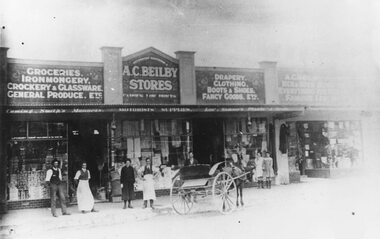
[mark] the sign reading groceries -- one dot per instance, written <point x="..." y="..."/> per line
<point x="150" y="79"/>
<point x="230" y="87"/>
<point x="58" y="84"/>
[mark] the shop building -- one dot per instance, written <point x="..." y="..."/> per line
<point x="150" y="104"/>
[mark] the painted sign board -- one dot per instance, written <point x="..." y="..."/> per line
<point x="150" y="79"/>
<point x="229" y="86"/>
<point x="31" y="84"/>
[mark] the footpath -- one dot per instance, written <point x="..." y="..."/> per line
<point x="27" y="222"/>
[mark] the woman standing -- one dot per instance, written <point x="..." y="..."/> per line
<point x="148" y="184"/>
<point x="267" y="169"/>
<point x="127" y="180"/>
<point x="259" y="170"/>
<point x="84" y="194"/>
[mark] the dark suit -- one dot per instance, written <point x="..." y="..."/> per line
<point x="127" y="178"/>
<point x="188" y="163"/>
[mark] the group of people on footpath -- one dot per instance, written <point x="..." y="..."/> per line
<point x="85" y="198"/>
<point x="84" y="195"/>
<point x="264" y="169"/>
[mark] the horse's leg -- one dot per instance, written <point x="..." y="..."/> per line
<point x="237" y="193"/>
<point x="241" y="193"/>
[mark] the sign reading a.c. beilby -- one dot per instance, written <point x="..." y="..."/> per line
<point x="150" y="79"/>
<point x="54" y="84"/>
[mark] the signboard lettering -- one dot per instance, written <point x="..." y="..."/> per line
<point x="38" y="84"/>
<point x="305" y="88"/>
<point x="150" y="79"/>
<point x="230" y="87"/>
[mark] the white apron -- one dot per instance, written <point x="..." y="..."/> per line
<point x="84" y="196"/>
<point x="148" y="188"/>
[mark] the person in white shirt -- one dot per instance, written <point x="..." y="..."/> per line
<point x="84" y="194"/>
<point x="54" y="180"/>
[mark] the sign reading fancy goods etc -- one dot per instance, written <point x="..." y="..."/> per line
<point x="230" y="87"/>
<point x="58" y="84"/>
<point x="150" y="79"/>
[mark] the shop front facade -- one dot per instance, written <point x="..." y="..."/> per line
<point x="151" y="105"/>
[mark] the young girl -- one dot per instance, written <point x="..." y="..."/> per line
<point x="259" y="170"/>
<point x="267" y="169"/>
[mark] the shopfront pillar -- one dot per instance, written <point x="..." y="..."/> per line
<point x="3" y="157"/>
<point x="271" y="81"/>
<point x="282" y="159"/>
<point x="113" y="84"/>
<point x="187" y="77"/>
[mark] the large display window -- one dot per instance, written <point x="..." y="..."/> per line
<point x="244" y="137"/>
<point x="165" y="141"/>
<point x="32" y="147"/>
<point x="324" y="144"/>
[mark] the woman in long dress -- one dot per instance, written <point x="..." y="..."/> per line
<point x="268" y="172"/>
<point x="148" y="184"/>
<point x="259" y="170"/>
<point x="84" y="195"/>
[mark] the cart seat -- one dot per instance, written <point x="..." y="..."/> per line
<point x="195" y="171"/>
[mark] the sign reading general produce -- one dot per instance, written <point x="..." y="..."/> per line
<point x="150" y="79"/>
<point x="230" y="87"/>
<point x="30" y="84"/>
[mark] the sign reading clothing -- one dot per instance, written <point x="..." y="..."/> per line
<point x="230" y="87"/>
<point x="150" y="79"/>
<point x="60" y="84"/>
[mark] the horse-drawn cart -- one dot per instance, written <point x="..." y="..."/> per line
<point x="196" y="182"/>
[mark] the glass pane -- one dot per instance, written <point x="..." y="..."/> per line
<point x="18" y="130"/>
<point x="57" y="130"/>
<point x="37" y="129"/>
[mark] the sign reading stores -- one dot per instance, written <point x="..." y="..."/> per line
<point x="230" y="87"/>
<point x="46" y="84"/>
<point x="150" y="79"/>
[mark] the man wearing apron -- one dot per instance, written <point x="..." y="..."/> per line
<point x="148" y="184"/>
<point x="54" y="178"/>
<point x="84" y="194"/>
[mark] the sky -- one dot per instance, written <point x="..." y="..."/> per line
<point x="341" y="36"/>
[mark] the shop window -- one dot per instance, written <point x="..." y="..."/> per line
<point x="243" y="138"/>
<point x="165" y="141"/>
<point x="29" y="161"/>
<point x="333" y="144"/>
<point x="31" y="151"/>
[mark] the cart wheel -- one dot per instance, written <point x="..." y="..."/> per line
<point x="224" y="192"/>
<point x="181" y="199"/>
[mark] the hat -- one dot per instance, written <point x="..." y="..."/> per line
<point x="55" y="160"/>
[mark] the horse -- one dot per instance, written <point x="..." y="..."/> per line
<point x="239" y="181"/>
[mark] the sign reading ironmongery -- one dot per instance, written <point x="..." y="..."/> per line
<point x="150" y="79"/>
<point x="30" y="84"/>
<point x="230" y="87"/>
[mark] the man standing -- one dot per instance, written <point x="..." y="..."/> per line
<point x="54" y="178"/>
<point x="127" y="180"/>
<point x="191" y="160"/>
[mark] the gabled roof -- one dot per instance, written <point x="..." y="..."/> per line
<point x="153" y="50"/>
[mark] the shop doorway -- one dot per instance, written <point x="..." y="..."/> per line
<point x="87" y="143"/>
<point x="208" y="140"/>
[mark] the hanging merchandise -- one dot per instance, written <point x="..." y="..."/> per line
<point x="130" y="147"/>
<point x="137" y="147"/>
<point x="284" y="132"/>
